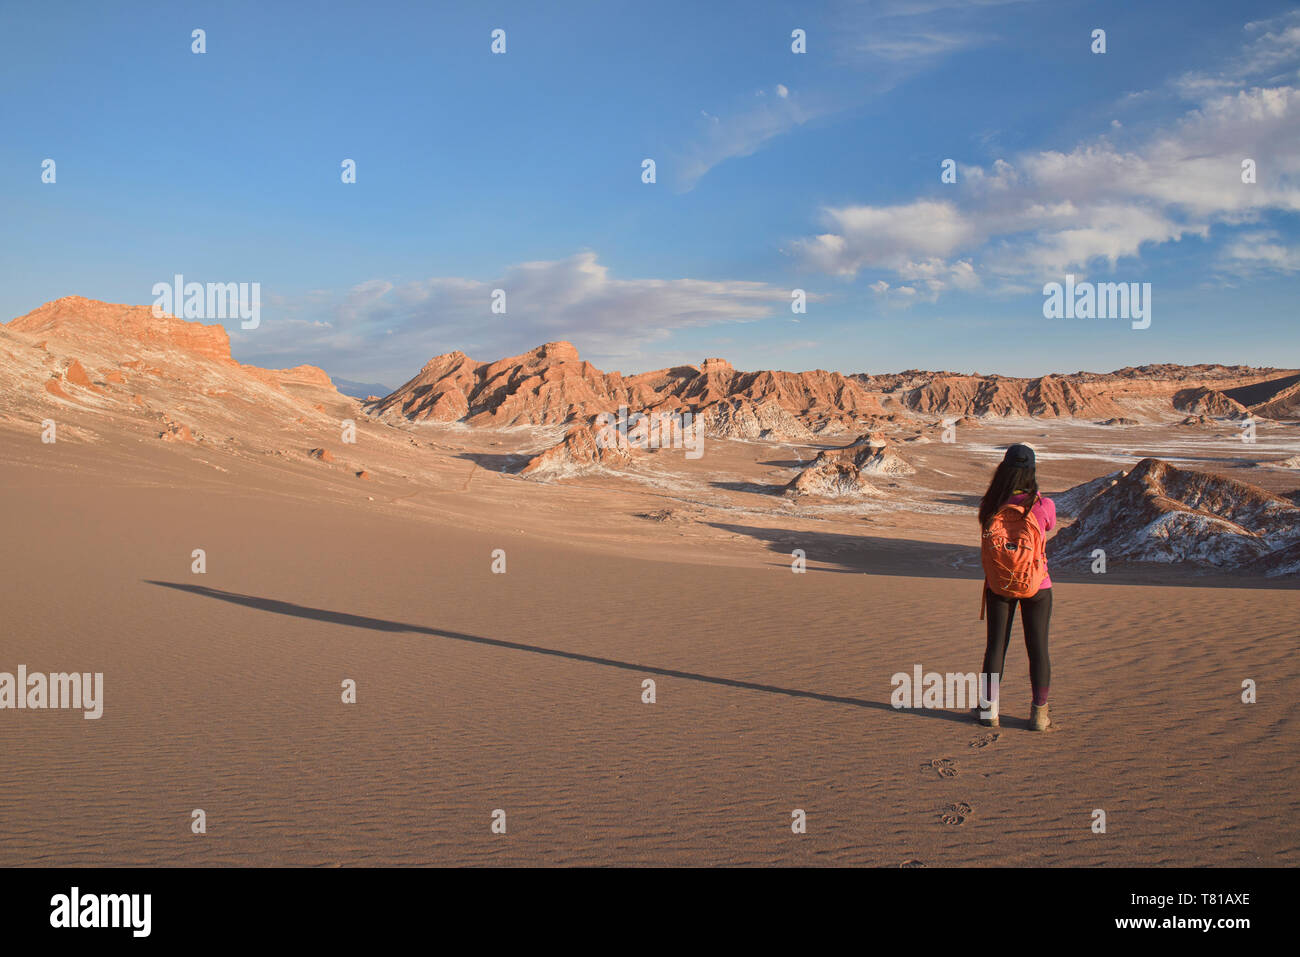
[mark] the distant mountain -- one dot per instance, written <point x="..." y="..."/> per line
<point x="360" y="390"/>
<point x="552" y="385"/>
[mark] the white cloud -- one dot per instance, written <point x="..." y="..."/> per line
<point x="890" y="237"/>
<point x="1051" y="210"/>
<point x="574" y="299"/>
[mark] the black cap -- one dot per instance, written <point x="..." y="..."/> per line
<point x="1021" y="456"/>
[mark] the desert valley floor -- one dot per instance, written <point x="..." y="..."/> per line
<point x="522" y="691"/>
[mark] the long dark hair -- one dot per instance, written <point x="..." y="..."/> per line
<point x="1007" y="481"/>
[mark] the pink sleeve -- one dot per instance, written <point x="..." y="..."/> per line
<point x="1049" y="514"/>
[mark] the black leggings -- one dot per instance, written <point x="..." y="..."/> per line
<point x="1035" y="613"/>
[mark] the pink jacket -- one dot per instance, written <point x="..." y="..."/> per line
<point x="1045" y="511"/>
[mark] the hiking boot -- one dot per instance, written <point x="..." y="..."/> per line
<point x="992" y="720"/>
<point x="1038" y="718"/>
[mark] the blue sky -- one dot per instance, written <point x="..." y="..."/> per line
<point x="775" y="171"/>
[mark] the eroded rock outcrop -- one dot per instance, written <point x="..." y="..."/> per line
<point x="585" y="448"/>
<point x="743" y="419"/>
<point x="1159" y="513"/>
<point x="846" y="471"/>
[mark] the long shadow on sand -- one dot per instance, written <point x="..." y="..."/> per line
<point x="496" y="461"/>
<point x="849" y="554"/>
<point x="870" y="554"/>
<point x="278" y="607"/>
<point x="756" y="488"/>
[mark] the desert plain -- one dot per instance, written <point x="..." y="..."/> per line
<point x="500" y="622"/>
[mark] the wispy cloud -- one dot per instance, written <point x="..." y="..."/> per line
<point x="894" y="40"/>
<point x="917" y="32"/>
<point x="1268" y="58"/>
<point x="744" y="131"/>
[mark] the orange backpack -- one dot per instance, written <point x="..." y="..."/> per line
<point x="1013" y="553"/>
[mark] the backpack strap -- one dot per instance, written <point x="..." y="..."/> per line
<point x="984" y="597"/>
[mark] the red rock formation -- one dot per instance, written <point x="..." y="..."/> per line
<point x="552" y="384"/>
<point x="548" y="385"/>
<point x="1210" y="402"/>
<point x="119" y="331"/>
<point x="1082" y="394"/>
<point x="1050" y="396"/>
<point x="109" y="324"/>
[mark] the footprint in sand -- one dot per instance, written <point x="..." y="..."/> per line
<point x="944" y="767"/>
<point x="984" y="740"/>
<point x="955" y="814"/>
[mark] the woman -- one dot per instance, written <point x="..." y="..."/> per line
<point x="1016" y="482"/>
